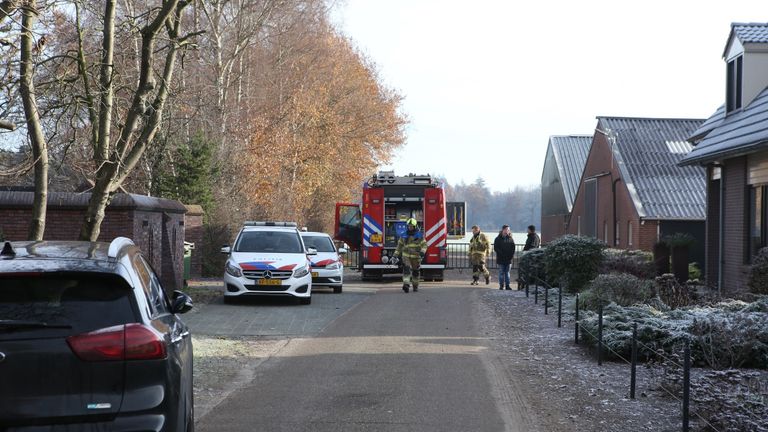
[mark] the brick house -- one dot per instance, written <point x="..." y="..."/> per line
<point x="563" y="165"/>
<point x="632" y="192"/>
<point x="156" y="225"/>
<point x="732" y="145"/>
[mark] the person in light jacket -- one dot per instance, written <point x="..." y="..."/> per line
<point x="504" y="246"/>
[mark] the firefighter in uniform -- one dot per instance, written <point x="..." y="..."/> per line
<point x="411" y="248"/>
<point x="479" y="249"/>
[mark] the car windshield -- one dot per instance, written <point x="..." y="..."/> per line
<point x="269" y="241"/>
<point x="57" y="303"/>
<point x="321" y="243"/>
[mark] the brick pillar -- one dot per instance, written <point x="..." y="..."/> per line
<point x="193" y="232"/>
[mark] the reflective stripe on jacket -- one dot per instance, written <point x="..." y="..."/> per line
<point x="479" y="244"/>
<point x="411" y="246"/>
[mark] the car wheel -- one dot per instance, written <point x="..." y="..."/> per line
<point x="337" y="290"/>
<point x="305" y="300"/>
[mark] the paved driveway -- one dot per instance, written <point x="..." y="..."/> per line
<point x="273" y="316"/>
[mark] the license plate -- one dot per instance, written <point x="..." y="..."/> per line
<point x="315" y="274"/>
<point x="269" y="282"/>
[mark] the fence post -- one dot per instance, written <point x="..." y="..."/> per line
<point x="686" y="383"/>
<point x="546" y="301"/>
<point x="559" y="307"/>
<point x="526" y="289"/>
<point x="577" y="319"/>
<point x="536" y="294"/>
<point x="600" y="337"/>
<point x="633" y="378"/>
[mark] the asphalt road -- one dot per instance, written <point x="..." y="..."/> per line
<point x="392" y="362"/>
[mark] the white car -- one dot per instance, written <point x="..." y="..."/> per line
<point x="268" y="259"/>
<point x="327" y="266"/>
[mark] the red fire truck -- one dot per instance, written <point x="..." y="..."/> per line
<point x="374" y="226"/>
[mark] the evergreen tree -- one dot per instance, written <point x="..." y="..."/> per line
<point x="188" y="175"/>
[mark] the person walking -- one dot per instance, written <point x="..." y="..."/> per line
<point x="479" y="249"/>
<point x="533" y="241"/>
<point x="504" y="246"/>
<point x="411" y="248"/>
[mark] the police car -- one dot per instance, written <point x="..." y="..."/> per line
<point x="327" y="266"/>
<point x="268" y="259"/>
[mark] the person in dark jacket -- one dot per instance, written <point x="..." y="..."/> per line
<point x="504" y="246"/>
<point x="533" y="241"/>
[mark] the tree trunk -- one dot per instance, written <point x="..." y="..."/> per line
<point x="97" y="206"/>
<point x="32" y="117"/>
<point x="127" y="151"/>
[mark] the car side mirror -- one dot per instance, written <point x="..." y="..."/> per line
<point x="182" y="303"/>
<point x="226" y="249"/>
<point x="311" y="251"/>
<point x="342" y="251"/>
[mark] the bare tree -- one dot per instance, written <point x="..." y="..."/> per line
<point x="7" y="7"/>
<point x="140" y="123"/>
<point x="32" y="117"/>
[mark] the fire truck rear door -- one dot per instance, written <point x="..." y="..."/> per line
<point x="348" y="225"/>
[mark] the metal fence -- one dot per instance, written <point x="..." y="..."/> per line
<point x="457" y="254"/>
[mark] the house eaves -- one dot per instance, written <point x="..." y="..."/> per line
<point x="737" y="134"/>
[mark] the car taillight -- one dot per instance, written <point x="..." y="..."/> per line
<point x="443" y="254"/>
<point x="124" y="342"/>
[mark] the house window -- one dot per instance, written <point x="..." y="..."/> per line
<point x="757" y="220"/>
<point x="733" y="91"/>
<point x="617" y="240"/>
<point x="629" y="233"/>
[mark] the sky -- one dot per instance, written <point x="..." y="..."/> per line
<point x="487" y="82"/>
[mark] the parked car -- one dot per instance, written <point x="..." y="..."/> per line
<point x="268" y="259"/>
<point x="90" y="341"/>
<point x="327" y="266"/>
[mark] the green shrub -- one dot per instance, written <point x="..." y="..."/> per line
<point x="531" y="267"/>
<point x="573" y="261"/>
<point x="622" y="289"/>
<point x="719" y="338"/>
<point x="635" y="262"/>
<point x="694" y="272"/>
<point x="758" y="273"/>
<point x="673" y="293"/>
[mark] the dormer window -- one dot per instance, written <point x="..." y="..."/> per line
<point x="733" y="92"/>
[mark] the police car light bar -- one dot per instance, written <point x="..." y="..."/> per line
<point x="269" y="223"/>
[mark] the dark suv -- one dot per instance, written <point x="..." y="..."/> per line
<point x="89" y="341"/>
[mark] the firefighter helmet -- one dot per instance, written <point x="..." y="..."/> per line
<point x="412" y="222"/>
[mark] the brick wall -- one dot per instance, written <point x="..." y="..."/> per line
<point x="147" y="233"/>
<point x="144" y="226"/>
<point x="552" y="227"/>
<point x="63" y="224"/>
<point x="648" y="235"/>
<point x="735" y="270"/>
